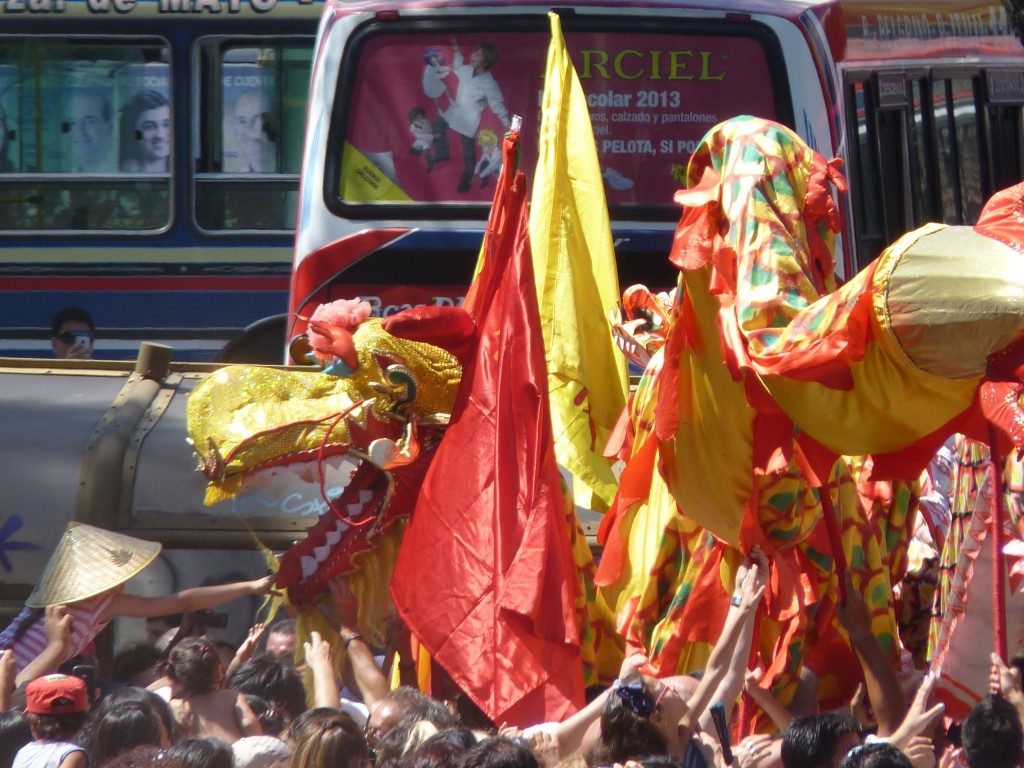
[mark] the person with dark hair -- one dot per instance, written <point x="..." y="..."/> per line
<point x="645" y="716"/>
<point x="633" y="716"/>
<point x="403" y="738"/>
<point x="878" y="755"/>
<point x="143" y="756"/>
<point x="72" y="334"/>
<point x="56" y="707"/>
<point x="405" y="703"/>
<point x="283" y="640"/>
<point x="202" y="706"/>
<point x="498" y="752"/>
<point x="137" y="664"/>
<point x="992" y="734"/>
<point x="442" y="749"/>
<point x="330" y="741"/>
<point x="819" y="741"/>
<point x="158" y="626"/>
<point x="273" y="680"/>
<point x="146" y="133"/>
<point x="270" y="719"/>
<point x="124" y="726"/>
<point x="308" y="722"/>
<point x="199" y="753"/>
<point x="127" y="697"/>
<point x="15" y="733"/>
<point x="433" y="753"/>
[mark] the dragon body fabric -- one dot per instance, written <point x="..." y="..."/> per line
<point x="388" y="411"/>
<point x="771" y="376"/>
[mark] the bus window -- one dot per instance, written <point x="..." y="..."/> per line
<point x="87" y="134"/>
<point x="251" y="122"/>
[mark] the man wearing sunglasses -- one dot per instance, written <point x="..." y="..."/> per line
<point x="73" y="333"/>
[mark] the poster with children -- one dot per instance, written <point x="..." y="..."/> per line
<point x="427" y="111"/>
<point x="145" y="125"/>
<point x="250" y="119"/>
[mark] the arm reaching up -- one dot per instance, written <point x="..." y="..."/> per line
<point x="361" y="673"/>
<point x="739" y="621"/>
<point x="320" y="659"/>
<point x="732" y="682"/>
<point x="883" y="687"/>
<point x="58" y="627"/>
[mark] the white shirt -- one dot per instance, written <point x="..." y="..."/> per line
<point x="476" y="92"/>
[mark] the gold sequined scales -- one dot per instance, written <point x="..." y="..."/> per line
<point x="244" y="417"/>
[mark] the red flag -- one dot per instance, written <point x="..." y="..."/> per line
<point x="485" y="577"/>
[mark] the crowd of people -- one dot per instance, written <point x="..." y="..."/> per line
<point x="188" y="701"/>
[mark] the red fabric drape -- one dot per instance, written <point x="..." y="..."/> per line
<point x="485" y="577"/>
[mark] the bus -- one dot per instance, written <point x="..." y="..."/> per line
<point x="922" y="100"/>
<point x="149" y="165"/>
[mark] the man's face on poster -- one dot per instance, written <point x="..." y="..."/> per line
<point x="88" y="122"/>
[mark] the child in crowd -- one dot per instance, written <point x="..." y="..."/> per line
<point x="56" y="707"/>
<point x="203" y="708"/>
<point x="81" y="591"/>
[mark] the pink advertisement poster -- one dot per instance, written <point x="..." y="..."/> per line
<point x="426" y="112"/>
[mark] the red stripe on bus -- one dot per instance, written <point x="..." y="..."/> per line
<point x="325" y="263"/>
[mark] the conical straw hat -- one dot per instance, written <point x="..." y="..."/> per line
<point x="88" y="561"/>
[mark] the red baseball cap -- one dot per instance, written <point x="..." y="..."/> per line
<point x="56" y="695"/>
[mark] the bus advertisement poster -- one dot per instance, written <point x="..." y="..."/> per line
<point x="84" y="94"/>
<point x="250" y="119"/>
<point x="145" y="127"/>
<point x="10" y="112"/>
<point x="427" y="111"/>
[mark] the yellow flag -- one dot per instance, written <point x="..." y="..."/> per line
<point x="577" y="285"/>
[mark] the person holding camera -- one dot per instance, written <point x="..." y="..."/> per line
<point x="81" y="591"/>
<point x="72" y="334"/>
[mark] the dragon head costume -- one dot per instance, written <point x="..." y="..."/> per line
<point x="383" y="400"/>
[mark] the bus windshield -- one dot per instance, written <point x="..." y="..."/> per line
<point x="425" y="109"/>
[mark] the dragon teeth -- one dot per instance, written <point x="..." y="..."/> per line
<point x="309" y="566"/>
<point x="333" y="537"/>
<point x="322" y="552"/>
